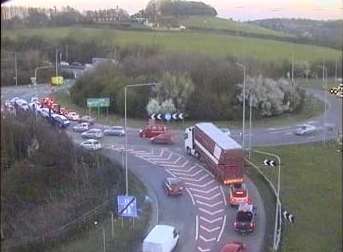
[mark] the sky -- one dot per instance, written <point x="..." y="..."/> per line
<point x="242" y="10"/>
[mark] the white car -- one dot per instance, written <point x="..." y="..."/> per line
<point x="34" y="99"/>
<point x="82" y="127"/>
<point x="93" y="133"/>
<point x="44" y="112"/>
<point x="91" y="144"/>
<point x="114" y="131"/>
<point x="73" y="116"/>
<point x="22" y="104"/>
<point x="305" y="129"/>
<point x="13" y="100"/>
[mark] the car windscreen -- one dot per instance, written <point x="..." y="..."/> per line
<point x="244" y="216"/>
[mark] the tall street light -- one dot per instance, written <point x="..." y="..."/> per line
<point x="243" y="120"/>
<point x="324" y="85"/>
<point x="125" y="126"/>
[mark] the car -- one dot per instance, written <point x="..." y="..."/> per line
<point x="164" y="138"/>
<point x="234" y="246"/>
<point x="64" y="111"/>
<point x="93" y="133"/>
<point x="44" y="112"/>
<point x="226" y="131"/>
<point x="73" y="116"/>
<point x="82" y="127"/>
<point x="64" y="63"/>
<point x="238" y="194"/>
<point x="22" y="104"/>
<point x="245" y="218"/>
<point x="13" y="100"/>
<point x="60" y="120"/>
<point x="305" y="129"/>
<point x="114" y="131"/>
<point x="87" y="119"/>
<point x="34" y="99"/>
<point x="173" y="186"/>
<point x="91" y="144"/>
<point x="34" y="105"/>
<point x="76" y="64"/>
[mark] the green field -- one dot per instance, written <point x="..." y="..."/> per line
<point x="218" y="45"/>
<point x="311" y="189"/>
<point x="216" y="23"/>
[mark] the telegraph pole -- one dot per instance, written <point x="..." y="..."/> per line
<point x="16" y="68"/>
<point x="56" y="63"/>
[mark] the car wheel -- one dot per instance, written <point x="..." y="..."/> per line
<point x="188" y="151"/>
<point x="197" y="155"/>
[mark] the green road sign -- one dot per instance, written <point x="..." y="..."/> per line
<point x="98" y="102"/>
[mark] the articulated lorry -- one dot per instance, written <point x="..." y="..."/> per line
<point x="222" y="155"/>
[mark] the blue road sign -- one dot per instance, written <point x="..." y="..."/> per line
<point x="167" y="117"/>
<point x="127" y="206"/>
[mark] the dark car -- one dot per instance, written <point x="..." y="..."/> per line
<point x="245" y="218"/>
<point x="234" y="246"/>
<point x="173" y="186"/>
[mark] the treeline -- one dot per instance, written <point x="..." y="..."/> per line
<point x="46" y="182"/>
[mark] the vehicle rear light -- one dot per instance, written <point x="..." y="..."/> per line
<point x="235" y="224"/>
<point x="239" y="193"/>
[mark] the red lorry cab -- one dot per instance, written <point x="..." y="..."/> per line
<point x="222" y="155"/>
<point x="152" y="129"/>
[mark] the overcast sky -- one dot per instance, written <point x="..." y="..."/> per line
<point x="236" y="9"/>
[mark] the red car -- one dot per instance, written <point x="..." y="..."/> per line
<point x="173" y="186"/>
<point x="164" y="138"/>
<point x="238" y="194"/>
<point x="234" y="246"/>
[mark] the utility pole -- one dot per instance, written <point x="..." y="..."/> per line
<point x="336" y="71"/>
<point x="292" y="69"/>
<point x="250" y="117"/>
<point x="243" y="120"/>
<point x="16" y="68"/>
<point x="325" y="94"/>
<point x="56" y="63"/>
<point x="67" y="55"/>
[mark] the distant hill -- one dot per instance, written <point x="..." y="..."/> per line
<point x="327" y="33"/>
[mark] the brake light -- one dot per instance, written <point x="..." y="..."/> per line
<point x="239" y="193"/>
<point x="235" y="224"/>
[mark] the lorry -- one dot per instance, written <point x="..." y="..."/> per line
<point x="222" y="155"/>
<point x="152" y="129"/>
<point x="162" y="238"/>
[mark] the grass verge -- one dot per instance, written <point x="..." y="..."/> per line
<point x="311" y="189"/>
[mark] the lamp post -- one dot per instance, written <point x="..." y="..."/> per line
<point x="243" y="120"/>
<point x="103" y="235"/>
<point x="125" y="126"/>
<point x="324" y="85"/>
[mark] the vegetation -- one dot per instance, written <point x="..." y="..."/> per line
<point x="311" y="190"/>
<point x="43" y="176"/>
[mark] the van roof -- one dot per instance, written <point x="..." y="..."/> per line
<point x="160" y="234"/>
<point x="222" y="140"/>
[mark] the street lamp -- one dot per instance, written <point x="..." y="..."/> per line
<point x="325" y="83"/>
<point x="103" y="235"/>
<point x="243" y="120"/>
<point x="278" y="202"/>
<point x="125" y="126"/>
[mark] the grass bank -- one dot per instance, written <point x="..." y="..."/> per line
<point x="311" y="189"/>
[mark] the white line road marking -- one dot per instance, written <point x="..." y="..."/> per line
<point x="221" y="231"/>
<point x="221" y="189"/>
<point x="202" y="191"/>
<point x="201" y="186"/>
<point x="178" y="166"/>
<point x="209" y="230"/>
<point x="207" y="240"/>
<point x="187" y="175"/>
<point x="196" y="227"/>
<point x="209" y="205"/>
<point x="206" y="198"/>
<point x="157" y="158"/>
<point x="190" y="195"/>
<point x="172" y="174"/>
<point x="196" y="180"/>
<point x="211" y="221"/>
<point x="188" y="170"/>
<point x="203" y="250"/>
<point x="211" y="213"/>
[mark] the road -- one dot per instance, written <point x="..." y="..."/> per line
<point x="201" y="214"/>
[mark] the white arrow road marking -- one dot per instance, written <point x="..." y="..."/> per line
<point x="211" y="213"/>
<point x="209" y="205"/>
<point x="201" y="186"/>
<point x="203" y="250"/>
<point x="209" y="230"/>
<point x="222" y="191"/>
<point x="196" y="227"/>
<point x="206" y="198"/>
<point x="167" y="160"/>
<point x="207" y="240"/>
<point x="190" y="195"/>
<point x="196" y="180"/>
<point x="221" y="231"/>
<point x="187" y="175"/>
<point x="211" y="221"/>
<point x="188" y="170"/>
<point x="202" y="191"/>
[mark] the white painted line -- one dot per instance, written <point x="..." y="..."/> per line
<point x="196" y="227"/>
<point x="211" y="221"/>
<point x="178" y="166"/>
<point x="196" y="180"/>
<point x="188" y="170"/>
<point x="221" y="188"/>
<point x="210" y="230"/>
<point x="190" y="195"/>
<point x="209" y="205"/>
<point x="187" y="175"/>
<point x="161" y="160"/>
<point x="203" y="250"/>
<point x="221" y="231"/>
<point x="172" y="174"/>
<point x="207" y="240"/>
<point x="208" y="172"/>
<point x="203" y="191"/>
<point x="201" y="186"/>
<point x="211" y="213"/>
<point x="206" y="198"/>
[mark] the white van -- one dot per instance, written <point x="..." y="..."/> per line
<point x="162" y="238"/>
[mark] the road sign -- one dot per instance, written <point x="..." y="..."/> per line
<point x="269" y="162"/>
<point x="57" y="80"/>
<point x="127" y="206"/>
<point x="33" y="80"/>
<point x="288" y="216"/>
<point x="98" y="102"/>
<point x="167" y="116"/>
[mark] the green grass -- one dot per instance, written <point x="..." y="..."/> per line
<point x="311" y="189"/>
<point x="216" y="23"/>
<point x="218" y="45"/>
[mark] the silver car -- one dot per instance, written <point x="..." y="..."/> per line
<point x="82" y="127"/>
<point x="114" y="131"/>
<point x="93" y="133"/>
<point x="305" y="129"/>
<point x="91" y="144"/>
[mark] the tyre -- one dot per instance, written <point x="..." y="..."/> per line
<point x="188" y="151"/>
<point x="197" y="155"/>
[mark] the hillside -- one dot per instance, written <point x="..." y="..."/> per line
<point x="327" y="33"/>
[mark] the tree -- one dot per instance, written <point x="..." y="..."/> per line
<point x="168" y="106"/>
<point x="153" y="106"/>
